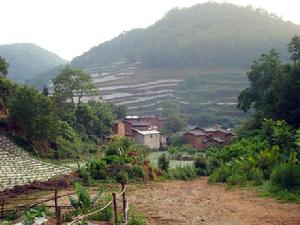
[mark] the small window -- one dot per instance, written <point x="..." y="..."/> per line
<point x="151" y="136"/>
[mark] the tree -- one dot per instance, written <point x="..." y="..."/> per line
<point x="294" y="49"/>
<point x="262" y="73"/>
<point x="174" y="123"/>
<point x="3" y="67"/>
<point x="8" y="90"/>
<point x="35" y="114"/>
<point x="71" y="85"/>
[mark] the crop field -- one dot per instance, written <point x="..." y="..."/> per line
<point x="144" y="90"/>
<point x="173" y="163"/>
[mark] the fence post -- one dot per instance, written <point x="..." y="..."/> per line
<point x="58" y="216"/>
<point x="55" y="202"/>
<point x="124" y="203"/>
<point x="115" y="207"/>
<point x="2" y="208"/>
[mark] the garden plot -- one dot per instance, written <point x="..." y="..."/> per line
<point x="17" y="167"/>
<point x="173" y="163"/>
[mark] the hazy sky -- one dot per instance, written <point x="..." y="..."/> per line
<point x="71" y="27"/>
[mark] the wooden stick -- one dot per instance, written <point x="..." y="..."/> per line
<point x="124" y="203"/>
<point x="115" y="207"/>
<point x="58" y="216"/>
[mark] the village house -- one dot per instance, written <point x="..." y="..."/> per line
<point x="201" y="138"/>
<point x="149" y="138"/>
<point x="144" y="130"/>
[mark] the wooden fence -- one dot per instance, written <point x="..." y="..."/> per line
<point x="58" y="208"/>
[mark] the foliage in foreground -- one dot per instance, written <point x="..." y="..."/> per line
<point x="271" y="155"/>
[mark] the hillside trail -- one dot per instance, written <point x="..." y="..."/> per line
<point x="198" y="203"/>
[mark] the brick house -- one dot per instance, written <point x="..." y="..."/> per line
<point x="119" y="128"/>
<point x="201" y="138"/>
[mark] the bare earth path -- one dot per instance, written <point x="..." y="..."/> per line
<point x="198" y="203"/>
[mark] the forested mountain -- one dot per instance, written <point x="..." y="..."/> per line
<point x="205" y="35"/>
<point x="26" y="60"/>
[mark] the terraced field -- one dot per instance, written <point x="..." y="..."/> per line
<point x="143" y="90"/>
<point x="17" y="167"/>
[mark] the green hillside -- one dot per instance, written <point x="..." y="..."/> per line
<point x="26" y="60"/>
<point x="205" y="35"/>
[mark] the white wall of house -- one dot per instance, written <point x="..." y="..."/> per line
<point x="151" y="140"/>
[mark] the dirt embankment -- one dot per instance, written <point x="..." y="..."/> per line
<point x="198" y="203"/>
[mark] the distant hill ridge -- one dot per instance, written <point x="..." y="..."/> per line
<point x="26" y="60"/>
<point x="204" y="35"/>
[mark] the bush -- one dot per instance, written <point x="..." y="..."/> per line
<point x="137" y="172"/>
<point x="85" y="175"/>
<point x="136" y="218"/>
<point x="286" y="176"/>
<point x="181" y="173"/>
<point x="105" y="215"/>
<point x="236" y="179"/>
<point x="213" y="164"/>
<point x="201" y="166"/>
<point x="12" y="215"/>
<point x="98" y="169"/>
<point x="221" y="174"/>
<point x="163" y="162"/>
<point x="122" y="177"/>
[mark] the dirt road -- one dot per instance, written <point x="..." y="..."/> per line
<point x="198" y="203"/>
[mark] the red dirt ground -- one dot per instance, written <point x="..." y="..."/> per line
<point x="198" y="203"/>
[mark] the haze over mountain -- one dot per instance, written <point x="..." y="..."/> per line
<point x="205" y="35"/>
<point x="26" y="60"/>
<point x="196" y="57"/>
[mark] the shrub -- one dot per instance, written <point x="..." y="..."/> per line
<point x="286" y="176"/>
<point x="163" y="162"/>
<point x="136" y="218"/>
<point x="137" y="172"/>
<point x="181" y="173"/>
<point x="236" y="179"/>
<point x="112" y="159"/>
<point x="12" y="215"/>
<point x="98" y="169"/>
<point x="85" y="175"/>
<point x="213" y="164"/>
<point x="201" y="166"/>
<point x="221" y="174"/>
<point x="105" y="215"/>
<point x="122" y="177"/>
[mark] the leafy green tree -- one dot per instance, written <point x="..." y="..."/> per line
<point x="262" y="73"/>
<point x="71" y="85"/>
<point x="294" y="49"/>
<point x="8" y="90"/>
<point x="3" y="67"/>
<point x="35" y="114"/>
<point x="174" y="123"/>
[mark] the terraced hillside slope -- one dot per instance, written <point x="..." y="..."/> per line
<point x="196" y="56"/>
<point x="17" y="167"/>
<point x="198" y="92"/>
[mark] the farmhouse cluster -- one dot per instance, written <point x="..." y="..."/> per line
<point x="145" y="130"/>
<point x="201" y="138"/>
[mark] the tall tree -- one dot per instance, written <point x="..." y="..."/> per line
<point x="71" y="85"/>
<point x="3" y="67"/>
<point x="36" y="114"/>
<point x="294" y="49"/>
<point x="263" y="71"/>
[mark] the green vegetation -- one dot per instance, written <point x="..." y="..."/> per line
<point x="267" y="152"/>
<point x="3" y="66"/>
<point x="122" y="161"/>
<point x="55" y="127"/>
<point x="204" y="35"/>
<point x="26" y="60"/>
<point x="274" y="88"/>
